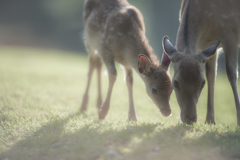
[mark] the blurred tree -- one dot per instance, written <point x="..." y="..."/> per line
<point x="26" y="14"/>
<point x="68" y="21"/>
<point x="56" y="22"/>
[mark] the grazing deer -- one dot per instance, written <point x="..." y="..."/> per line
<point x="202" y="24"/>
<point x="115" y="31"/>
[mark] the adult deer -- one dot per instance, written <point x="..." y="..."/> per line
<point x="114" y="31"/>
<point x="202" y="24"/>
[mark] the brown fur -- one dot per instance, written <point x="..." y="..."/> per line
<point x="190" y="71"/>
<point x="203" y="23"/>
<point x="114" y="30"/>
<point x="118" y="20"/>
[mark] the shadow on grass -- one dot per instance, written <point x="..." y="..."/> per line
<point x="94" y="140"/>
<point x="186" y="142"/>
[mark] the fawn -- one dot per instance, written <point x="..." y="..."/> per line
<point x="114" y="31"/>
<point x="203" y="25"/>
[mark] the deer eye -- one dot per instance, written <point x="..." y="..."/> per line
<point x="154" y="91"/>
<point x="176" y="85"/>
<point x="203" y="84"/>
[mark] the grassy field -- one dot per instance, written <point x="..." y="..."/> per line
<point x="40" y="96"/>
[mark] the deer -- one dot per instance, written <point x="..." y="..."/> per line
<point x="204" y="27"/>
<point x="114" y="31"/>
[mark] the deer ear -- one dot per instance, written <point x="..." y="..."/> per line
<point x="209" y="51"/>
<point x="169" y="47"/>
<point x="165" y="60"/>
<point x="144" y="65"/>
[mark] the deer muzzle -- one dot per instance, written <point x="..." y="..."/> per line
<point x="188" y="118"/>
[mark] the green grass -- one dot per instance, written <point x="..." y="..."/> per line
<point x="40" y="96"/>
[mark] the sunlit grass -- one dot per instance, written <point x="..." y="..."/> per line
<point x="40" y="96"/>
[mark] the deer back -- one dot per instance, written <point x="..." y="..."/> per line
<point x="205" y="22"/>
<point x="118" y="27"/>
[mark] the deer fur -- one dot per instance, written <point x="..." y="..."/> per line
<point x="203" y="25"/>
<point x="114" y="31"/>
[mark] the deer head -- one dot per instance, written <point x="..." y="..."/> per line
<point x="157" y="81"/>
<point x="188" y="79"/>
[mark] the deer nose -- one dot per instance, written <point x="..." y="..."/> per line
<point x="191" y="119"/>
<point x="166" y="111"/>
<point x="188" y="119"/>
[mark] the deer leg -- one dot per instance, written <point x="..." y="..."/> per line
<point x="85" y="97"/>
<point x="112" y="74"/>
<point x="129" y="81"/>
<point x="231" y="57"/>
<point x="99" y="67"/>
<point x="211" y="76"/>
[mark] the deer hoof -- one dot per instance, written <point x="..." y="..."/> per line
<point x="238" y="118"/>
<point x="101" y="117"/>
<point x="99" y="103"/>
<point x="210" y="121"/>
<point x="102" y="114"/>
<point x="84" y="104"/>
<point x="132" y="118"/>
<point x="83" y="108"/>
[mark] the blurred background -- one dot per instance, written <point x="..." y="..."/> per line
<point x="58" y="23"/>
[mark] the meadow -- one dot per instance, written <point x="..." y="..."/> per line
<point x="40" y="95"/>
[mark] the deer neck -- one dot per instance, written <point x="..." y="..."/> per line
<point x="188" y="34"/>
<point x="142" y="47"/>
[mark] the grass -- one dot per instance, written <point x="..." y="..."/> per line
<point x="40" y="96"/>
